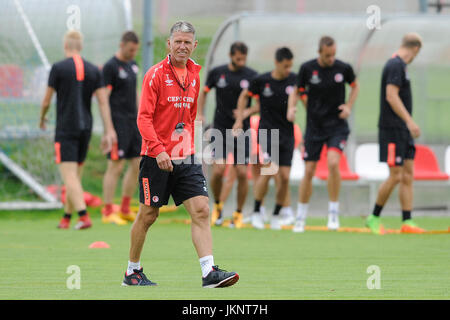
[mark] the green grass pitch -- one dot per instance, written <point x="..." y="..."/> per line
<point x="271" y="264"/>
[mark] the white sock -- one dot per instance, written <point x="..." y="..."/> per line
<point x="302" y="210"/>
<point x="333" y="207"/>
<point x="287" y="211"/>
<point x="262" y="210"/>
<point x="206" y="263"/>
<point x="132" y="266"/>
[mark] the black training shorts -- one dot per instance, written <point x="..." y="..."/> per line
<point x="284" y="147"/>
<point x="396" y="145"/>
<point x="128" y="141"/>
<point x="238" y="146"/>
<point x="72" y="147"/>
<point x="184" y="182"/>
<point x="313" y="147"/>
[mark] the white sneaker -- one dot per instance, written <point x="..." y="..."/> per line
<point x="299" y="226"/>
<point x="257" y="220"/>
<point x="219" y="221"/>
<point x="287" y="218"/>
<point x="247" y="219"/>
<point x="275" y="223"/>
<point x="333" y="221"/>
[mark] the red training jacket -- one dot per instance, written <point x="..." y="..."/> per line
<point x="161" y="109"/>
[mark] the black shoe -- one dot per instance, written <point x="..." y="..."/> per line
<point x="218" y="278"/>
<point x="137" y="278"/>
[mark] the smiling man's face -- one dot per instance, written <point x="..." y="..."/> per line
<point x="181" y="45"/>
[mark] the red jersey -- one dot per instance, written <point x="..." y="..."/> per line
<point x="166" y="102"/>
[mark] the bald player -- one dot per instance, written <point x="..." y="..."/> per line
<point x="397" y="131"/>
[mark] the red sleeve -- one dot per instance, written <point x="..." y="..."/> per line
<point x="149" y="100"/>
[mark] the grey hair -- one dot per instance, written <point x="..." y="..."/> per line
<point x="182" y="26"/>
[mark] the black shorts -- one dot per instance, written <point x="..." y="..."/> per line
<point x="184" y="182"/>
<point x="285" y="149"/>
<point x="128" y="142"/>
<point x="72" y="147"/>
<point x="396" y="145"/>
<point x="239" y="147"/>
<point x="313" y="147"/>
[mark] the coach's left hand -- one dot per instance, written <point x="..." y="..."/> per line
<point x="345" y="111"/>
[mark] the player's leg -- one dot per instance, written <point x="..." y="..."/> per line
<point x="74" y="192"/>
<point x="241" y="158"/>
<point x="256" y="172"/>
<point x="128" y="188"/>
<point x="68" y="209"/>
<point x="198" y="208"/>
<point x="406" y="198"/>
<point x="84" y="221"/>
<point x="132" y="154"/>
<point x="218" y="170"/>
<point x="334" y="186"/>
<point x="113" y="171"/>
<point x="392" y="151"/>
<point x="228" y="184"/>
<point x="282" y="187"/>
<point x="286" y="212"/>
<point x="134" y="276"/>
<point x="384" y="192"/>
<point x="261" y="186"/>
<point x="212" y="276"/>
<point x="311" y="156"/>
<point x="190" y="189"/>
<point x="71" y="180"/>
<point x="70" y="156"/>
<point x="304" y="194"/>
<point x="154" y="192"/>
<point x="65" y="149"/>
<point x="146" y="216"/>
<point x="242" y="190"/>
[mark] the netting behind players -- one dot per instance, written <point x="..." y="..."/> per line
<point x="31" y="34"/>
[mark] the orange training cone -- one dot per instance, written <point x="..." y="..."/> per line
<point x="98" y="245"/>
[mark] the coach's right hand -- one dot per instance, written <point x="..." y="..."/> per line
<point x="414" y="129"/>
<point x="164" y="162"/>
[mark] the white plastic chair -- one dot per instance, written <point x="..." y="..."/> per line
<point x="367" y="163"/>
<point x="447" y="160"/>
<point x="297" y="167"/>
